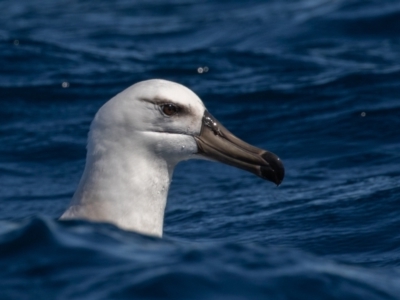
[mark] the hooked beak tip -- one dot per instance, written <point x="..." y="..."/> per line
<point x="275" y="170"/>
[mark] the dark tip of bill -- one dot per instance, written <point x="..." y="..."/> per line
<point x="276" y="171"/>
<point x="268" y="174"/>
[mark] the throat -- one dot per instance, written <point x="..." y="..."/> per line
<point x="128" y="191"/>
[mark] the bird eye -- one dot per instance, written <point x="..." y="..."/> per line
<point x="169" y="109"/>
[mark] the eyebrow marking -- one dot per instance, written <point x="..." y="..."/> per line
<point x="158" y="101"/>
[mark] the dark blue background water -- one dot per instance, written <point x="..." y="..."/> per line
<point x="315" y="81"/>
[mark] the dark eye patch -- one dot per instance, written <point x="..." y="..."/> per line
<point x="170" y="109"/>
<point x="166" y="106"/>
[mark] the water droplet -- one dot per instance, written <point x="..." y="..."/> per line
<point x="65" y="84"/>
<point x="200" y="70"/>
<point x="16" y="42"/>
<point x="363" y="114"/>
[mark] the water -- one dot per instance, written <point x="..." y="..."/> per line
<point x="316" y="82"/>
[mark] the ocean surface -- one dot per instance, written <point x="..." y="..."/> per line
<point x="315" y="81"/>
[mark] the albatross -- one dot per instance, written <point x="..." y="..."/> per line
<point x="135" y="141"/>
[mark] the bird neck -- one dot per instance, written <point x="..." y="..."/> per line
<point x="124" y="188"/>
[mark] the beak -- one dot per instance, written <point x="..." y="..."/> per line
<point x="217" y="143"/>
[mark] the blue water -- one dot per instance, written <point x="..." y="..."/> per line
<point x="315" y="81"/>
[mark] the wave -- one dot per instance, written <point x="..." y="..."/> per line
<point x="78" y="260"/>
